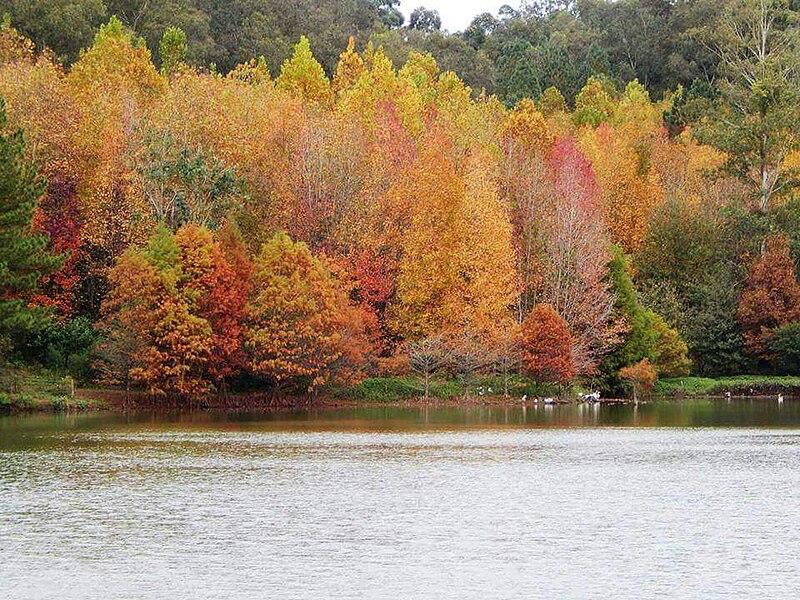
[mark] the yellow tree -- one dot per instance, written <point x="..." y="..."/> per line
<point x="630" y="190"/>
<point x="114" y="82"/>
<point x="348" y="70"/>
<point x="488" y="265"/>
<point x="303" y="77"/>
<point x="376" y="85"/>
<point x="302" y="331"/>
<point x="429" y="285"/>
<point x="526" y="142"/>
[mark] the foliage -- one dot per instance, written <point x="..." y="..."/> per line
<point x="641" y="376"/>
<point x="670" y="352"/>
<point x="301" y="329"/>
<point x="24" y="257"/>
<point x="784" y="346"/>
<point x="640" y="337"/>
<point x="770" y="298"/>
<point x="593" y="105"/>
<point x="574" y="256"/>
<point x="546" y="346"/>
<point x="417" y="203"/>
<point x="303" y="77"/>
<point x="755" y="117"/>
<point x="172" y="49"/>
<point x="156" y="338"/>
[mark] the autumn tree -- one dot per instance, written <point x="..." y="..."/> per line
<point x="113" y="83"/>
<point x="301" y="329"/>
<point x="348" y="70"/>
<point x="771" y="296"/>
<point x="670" y="354"/>
<point x="429" y="287"/>
<point x="151" y="317"/>
<point x="217" y="273"/>
<point x="546" y="346"/>
<point x="574" y="256"/>
<point x="523" y="183"/>
<point x="593" y="104"/>
<point x="303" y="77"/>
<point x="487" y="256"/>
<point x="641" y="376"/>
<point x="630" y="190"/>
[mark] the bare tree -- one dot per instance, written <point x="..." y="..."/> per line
<point x="506" y="358"/>
<point x="470" y="355"/>
<point x="426" y="357"/>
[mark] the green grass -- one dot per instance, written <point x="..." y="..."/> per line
<point x="740" y="384"/>
<point x="400" y="389"/>
<point x="39" y="389"/>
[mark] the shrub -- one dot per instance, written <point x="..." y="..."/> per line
<point x="784" y="345"/>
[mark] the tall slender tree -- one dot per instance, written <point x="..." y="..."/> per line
<point x="24" y="258"/>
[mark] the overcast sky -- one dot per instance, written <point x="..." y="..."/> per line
<point x="456" y="14"/>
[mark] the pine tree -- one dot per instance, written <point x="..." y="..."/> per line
<point x="24" y="258"/>
<point x="640" y="337"/>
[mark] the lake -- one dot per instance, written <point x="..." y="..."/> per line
<point x="698" y="499"/>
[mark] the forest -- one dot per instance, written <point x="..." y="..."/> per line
<point x="186" y="210"/>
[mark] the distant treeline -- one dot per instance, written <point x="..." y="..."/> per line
<point x="514" y="54"/>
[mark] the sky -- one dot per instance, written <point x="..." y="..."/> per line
<point x="456" y="14"/>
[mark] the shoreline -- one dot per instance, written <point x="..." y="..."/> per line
<point x="110" y="400"/>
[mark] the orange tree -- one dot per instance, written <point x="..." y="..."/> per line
<point x="546" y="346"/>
<point x="302" y="330"/>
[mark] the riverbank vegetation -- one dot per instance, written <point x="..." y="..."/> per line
<point x="173" y="228"/>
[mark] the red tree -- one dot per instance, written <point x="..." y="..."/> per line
<point x="771" y="297"/>
<point x="59" y="217"/>
<point x="546" y="346"/>
<point x="219" y="271"/>
<point x="574" y="248"/>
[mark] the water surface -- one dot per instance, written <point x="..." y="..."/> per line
<point x="692" y="500"/>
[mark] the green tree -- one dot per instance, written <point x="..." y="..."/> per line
<point x="64" y="26"/>
<point x="640" y="337"/>
<point x="425" y="19"/>
<point x="593" y="105"/>
<point x="755" y="119"/>
<point x="388" y="13"/>
<point x="24" y="257"/>
<point x="172" y="49"/>
<point x="784" y="345"/>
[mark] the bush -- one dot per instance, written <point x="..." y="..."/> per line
<point x="784" y="345"/>
<point x="62" y="346"/>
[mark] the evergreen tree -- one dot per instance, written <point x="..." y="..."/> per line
<point x="640" y="337"/>
<point x="24" y="258"/>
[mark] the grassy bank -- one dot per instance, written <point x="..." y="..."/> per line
<point x="739" y="385"/>
<point x="23" y="389"/>
<point x="402" y="389"/>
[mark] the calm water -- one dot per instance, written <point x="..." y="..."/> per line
<point x="693" y="500"/>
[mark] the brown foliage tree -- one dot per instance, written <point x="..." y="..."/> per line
<point x="546" y="346"/>
<point x="771" y="296"/>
